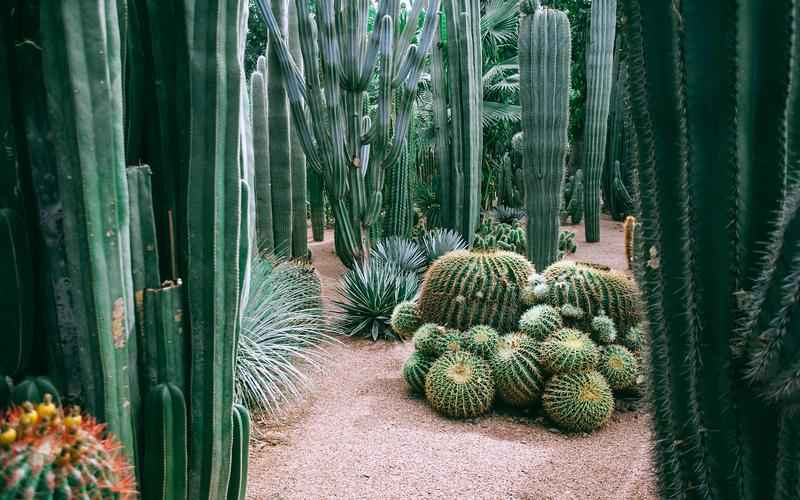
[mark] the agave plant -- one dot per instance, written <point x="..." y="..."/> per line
<point x="438" y="242"/>
<point x="283" y="337"/>
<point x="507" y="215"/>
<point x="404" y="253"/>
<point x="370" y="292"/>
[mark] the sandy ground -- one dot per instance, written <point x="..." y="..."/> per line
<point x="359" y="434"/>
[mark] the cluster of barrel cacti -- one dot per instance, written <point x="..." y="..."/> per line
<point x="559" y="352"/>
<point x="141" y="270"/>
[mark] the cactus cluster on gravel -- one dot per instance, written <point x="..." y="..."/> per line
<point x="568" y="352"/>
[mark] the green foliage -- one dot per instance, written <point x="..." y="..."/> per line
<point x="284" y="336"/>
<point x="403" y="253"/>
<point x="439" y="242"/>
<point x="508" y="215"/>
<point x="619" y="366"/>
<point x="415" y="370"/>
<point x="567" y="351"/>
<point x="370" y="291"/>
<point x="464" y="289"/>
<point x="481" y="340"/>
<point x="579" y="401"/>
<point x="540" y="321"/>
<point x="516" y="371"/>
<point x="460" y="385"/>
<point x="405" y="319"/>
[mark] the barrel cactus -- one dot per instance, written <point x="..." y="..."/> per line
<point x="568" y="350"/>
<point x="452" y="341"/>
<point x="481" y="340"/>
<point x="634" y="338"/>
<point x="426" y="338"/>
<point x="603" y="329"/>
<point x="580" y="402"/>
<point x="405" y="319"/>
<point x="464" y="289"/>
<point x="540" y="321"/>
<point x="516" y="371"/>
<point x="460" y="385"/>
<point x="619" y="366"/>
<point x="415" y="369"/>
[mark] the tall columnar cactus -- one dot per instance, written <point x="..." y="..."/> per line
<point x="340" y="59"/>
<point x="81" y="57"/>
<point x="263" y="187"/>
<point x="214" y="219"/>
<point x="545" y="48"/>
<point x="617" y="175"/>
<point x="165" y="474"/>
<point x="464" y="71"/>
<point x="298" y="158"/>
<point x="237" y="490"/>
<point x="16" y="303"/>
<point x="316" y="201"/>
<point x="599" y="79"/>
<point x="714" y="89"/>
<point x="397" y="221"/>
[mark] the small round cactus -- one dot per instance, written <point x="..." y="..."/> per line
<point x="414" y="371"/>
<point x="604" y="330"/>
<point x="567" y="351"/>
<point x="47" y="453"/>
<point x="426" y="338"/>
<point x="619" y="366"/>
<point x="451" y="341"/>
<point x="540" y="321"/>
<point x="516" y="371"/>
<point x="460" y="385"/>
<point x="405" y="319"/>
<point x="481" y="340"/>
<point x="580" y="402"/>
<point x="572" y="314"/>
<point x="634" y="338"/>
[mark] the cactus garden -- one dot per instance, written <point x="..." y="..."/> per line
<point x="395" y="249"/>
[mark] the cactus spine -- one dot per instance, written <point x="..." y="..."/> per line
<point x="81" y="52"/>
<point x="258" y="94"/>
<point x="599" y="78"/>
<point x="545" y="48"/>
<point x="712" y="105"/>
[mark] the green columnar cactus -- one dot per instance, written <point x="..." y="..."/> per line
<point x="213" y="244"/>
<point x="316" y="200"/>
<point x="81" y="52"/>
<point x="16" y="303"/>
<point x="340" y="56"/>
<point x="464" y="289"/>
<point x="237" y="490"/>
<point x="616" y="179"/>
<point x="265" y="236"/>
<point x="298" y="158"/>
<point x="574" y="207"/>
<point x="397" y="220"/>
<point x="516" y="371"/>
<point x="599" y="65"/>
<point x="165" y="457"/>
<point x="545" y="47"/>
<point x="163" y="338"/>
<point x="460" y="385"/>
<point x="464" y="56"/>
<point x="441" y="125"/>
<point x="714" y="107"/>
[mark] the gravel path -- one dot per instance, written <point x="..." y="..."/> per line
<point x="360" y="435"/>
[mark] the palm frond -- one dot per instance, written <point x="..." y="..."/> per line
<point x="498" y="112"/>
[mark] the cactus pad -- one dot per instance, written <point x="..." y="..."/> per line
<point x="568" y="351"/>
<point x="516" y="371"/>
<point x="481" y="340"/>
<point x="619" y="366"/>
<point x="460" y="385"/>
<point x="405" y="319"/>
<point x="464" y="289"/>
<point x="540" y="321"/>
<point x="581" y="402"/>
<point x="415" y="370"/>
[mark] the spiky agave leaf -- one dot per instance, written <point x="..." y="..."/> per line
<point x="441" y="241"/>
<point x="283" y="337"/>
<point x="370" y="292"/>
<point x="401" y="252"/>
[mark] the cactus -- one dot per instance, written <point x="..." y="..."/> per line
<point x="540" y="321"/>
<point x="574" y="207"/>
<point x="16" y="304"/>
<point x="464" y="289"/>
<point x="629" y="229"/>
<point x="164" y="338"/>
<point x="481" y="340"/>
<point x="237" y="490"/>
<point x="580" y="402"/>
<point x="34" y="389"/>
<point x="164" y="469"/>
<point x="415" y="369"/>
<point x="545" y="49"/>
<point x="619" y="366"/>
<point x="405" y="319"/>
<point x="599" y="78"/>
<point x="714" y="107"/>
<point x="46" y="452"/>
<point x="426" y="338"/>
<point x="460" y="385"/>
<point x="634" y="338"/>
<point x="461" y="208"/>
<point x="397" y="220"/>
<point x="316" y="200"/>
<point x="568" y="350"/>
<point x="298" y="158"/>
<point x="450" y="342"/>
<point x="264" y="225"/>
<point x="516" y="371"/>
<point x="604" y="330"/>
<point x="617" y="175"/>
<point x="339" y="60"/>
<point x="81" y="51"/>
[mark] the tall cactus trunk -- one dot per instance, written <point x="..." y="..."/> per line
<point x="316" y="199"/>
<point x="545" y="47"/>
<point x="713" y="88"/>
<point x="398" y="198"/>
<point x="83" y="73"/>
<point x="298" y="158"/>
<point x="280" y="140"/>
<point x="265" y="236"/>
<point x="441" y="131"/>
<point x="213" y="218"/>
<point x="599" y="79"/>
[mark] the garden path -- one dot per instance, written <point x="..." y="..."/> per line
<point x="360" y="434"/>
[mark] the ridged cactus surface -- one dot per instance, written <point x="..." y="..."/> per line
<point x="579" y="401"/>
<point x="481" y="340"/>
<point x="517" y="375"/>
<point x="545" y="46"/>
<point x="568" y="351"/>
<point x="599" y="80"/>
<point x="166" y="444"/>
<point x="17" y="302"/>
<point x="265" y="236"/>
<point x="619" y="366"/>
<point x="460" y="385"/>
<point x="540" y="321"/>
<point x="405" y="319"/>
<point x="464" y="289"/>
<point x="415" y="369"/>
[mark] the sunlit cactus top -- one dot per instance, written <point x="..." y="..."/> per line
<point x="46" y="452"/>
